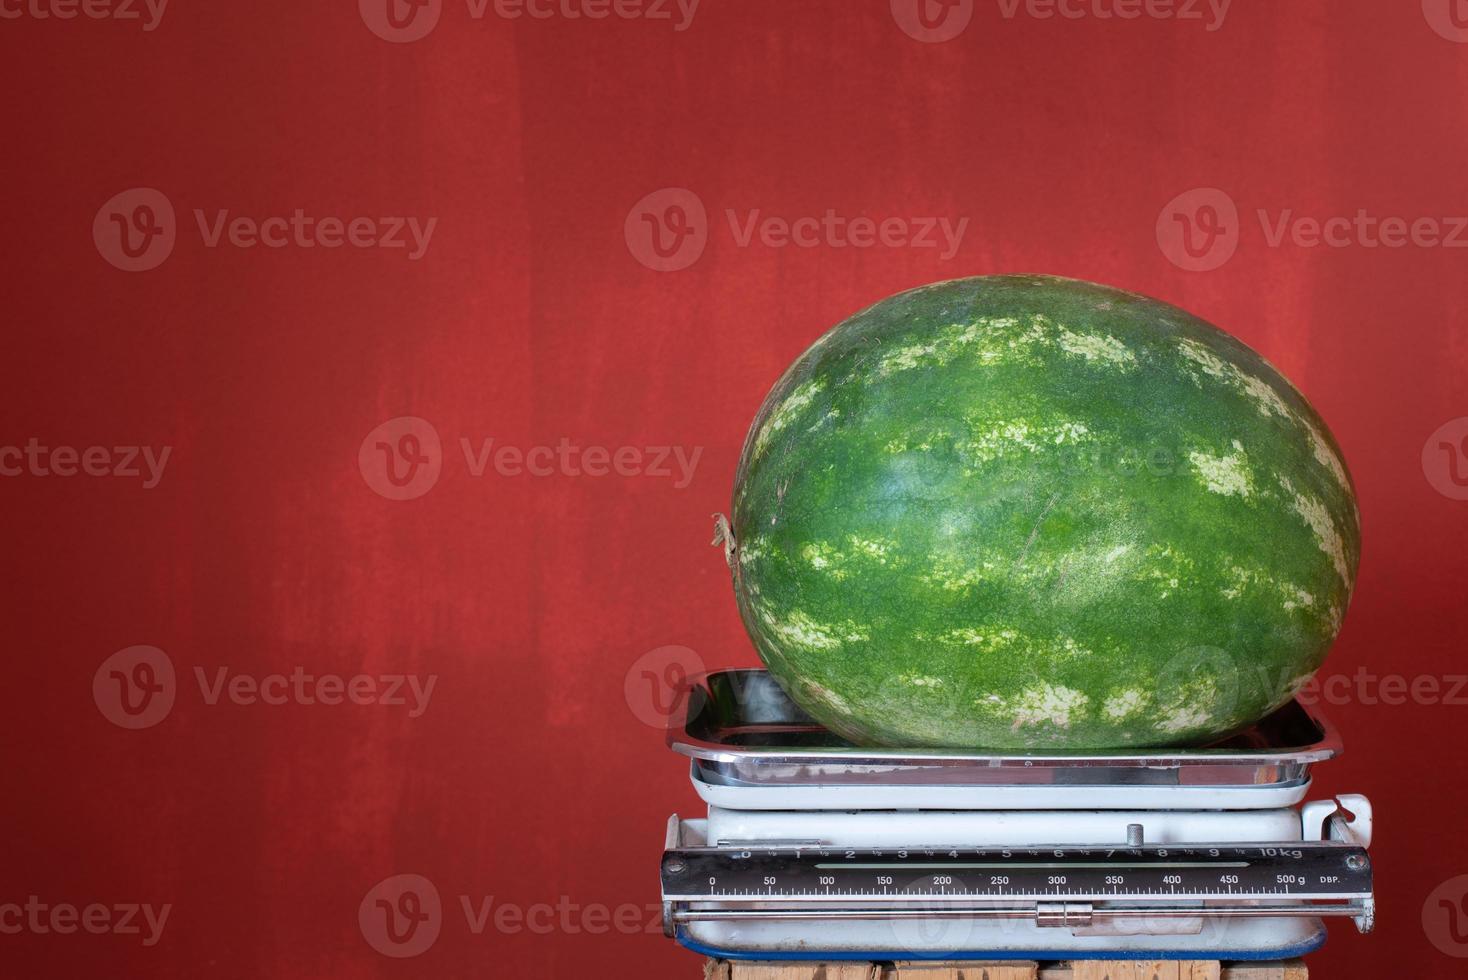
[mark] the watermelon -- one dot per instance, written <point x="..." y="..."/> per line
<point x="1024" y="512"/>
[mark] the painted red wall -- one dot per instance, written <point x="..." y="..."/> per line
<point x="531" y="318"/>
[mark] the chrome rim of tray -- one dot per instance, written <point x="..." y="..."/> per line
<point x="739" y="727"/>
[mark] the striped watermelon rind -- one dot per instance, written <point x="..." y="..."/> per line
<point x="1032" y="512"/>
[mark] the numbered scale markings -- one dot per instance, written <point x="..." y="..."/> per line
<point x="1305" y="872"/>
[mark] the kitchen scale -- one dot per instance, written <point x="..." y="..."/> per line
<point x="815" y="849"/>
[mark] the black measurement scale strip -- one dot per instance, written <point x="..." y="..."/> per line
<point x="1291" y="872"/>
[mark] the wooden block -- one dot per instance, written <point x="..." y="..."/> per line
<point x="1178" y="970"/>
<point x="1199" y="970"/>
<point x="1001" y="970"/>
<point x="1148" y="970"/>
<point x="1105" y="970"/>
<point x="1173" y="970"/>
<point x="804" y="971"/>
<point x="1293" y="970"/>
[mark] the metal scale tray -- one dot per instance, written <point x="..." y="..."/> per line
<point x="814" y="847"/>
<point x="752" y="748"/>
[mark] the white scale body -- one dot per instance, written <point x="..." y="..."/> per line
<point x="943" y="833"/>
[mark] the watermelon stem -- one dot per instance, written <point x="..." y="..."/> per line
<point x="724" y="535"/>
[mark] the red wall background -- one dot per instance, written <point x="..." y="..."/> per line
<point x="530" y="319"/>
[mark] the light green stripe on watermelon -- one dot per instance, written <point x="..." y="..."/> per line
<point x="1032" y="512"/>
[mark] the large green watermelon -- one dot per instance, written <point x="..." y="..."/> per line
<point x="1030" y="512"/>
